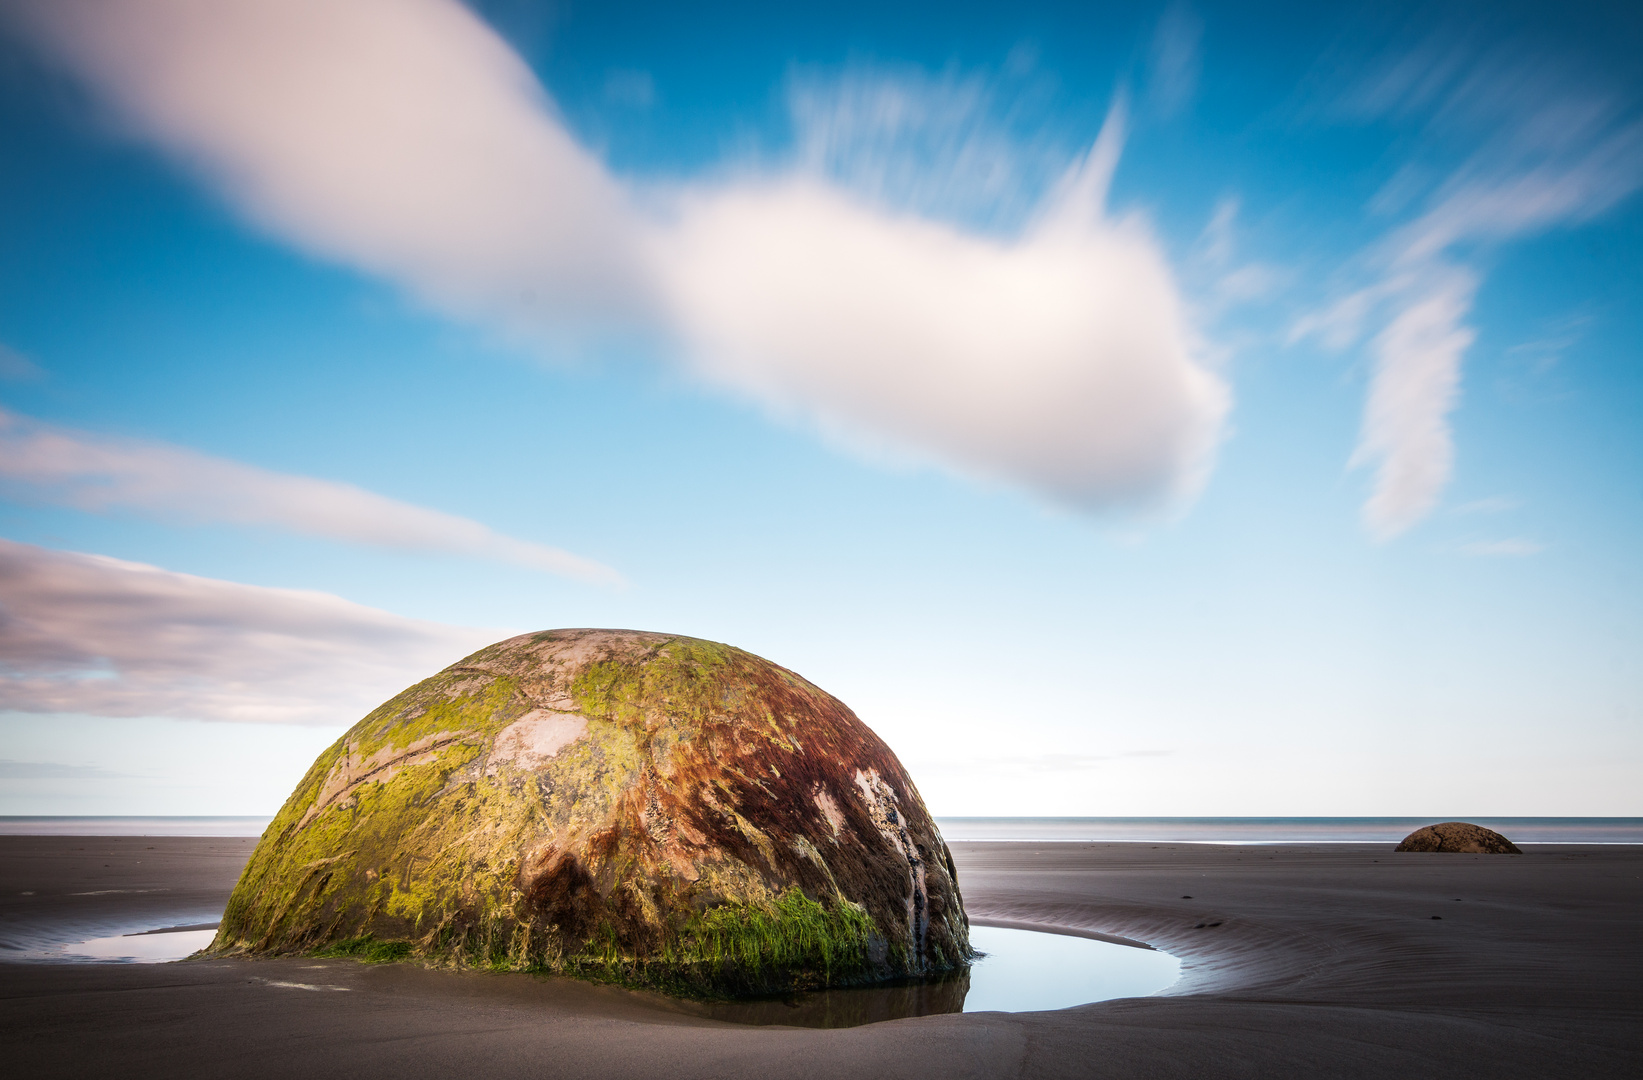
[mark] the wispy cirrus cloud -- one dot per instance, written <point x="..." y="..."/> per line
<point x="96" y="473"/>
<point x="967" y="147"/>
<point x="1514" y="547"/>
<point x="1405" y="422"/>
<point x="1544" y="149"/>
<point x="405" y="138"/>
<point x="15" y="367"/>
<point x="52" y="770"/>
<point x="1492" y="504"/>
<point x="1044" y="763"/>
<point x="1174" y="61"/>
<point x="94" y="635"/>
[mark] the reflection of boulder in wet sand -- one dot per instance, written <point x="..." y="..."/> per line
<point x="851" y="1006"/>
<point x="625" y="805"/>
<point x="1458" y="836"/>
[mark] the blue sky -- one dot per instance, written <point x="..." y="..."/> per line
<point x="1153" y="410"/>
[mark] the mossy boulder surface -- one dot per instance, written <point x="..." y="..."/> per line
<point x="655" y="809"/>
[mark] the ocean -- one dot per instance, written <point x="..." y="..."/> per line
<point x="1200" y="830"/>
<point x="1282" y="830"/>
<point x="63" y="825"/>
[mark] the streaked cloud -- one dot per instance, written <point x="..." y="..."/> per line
<point x="965" y="147"/>
<point x="1174" y="63"/>
<point x="1042" y="763"/>
<point x="1493" y="504"/>
<point x="1516" y="547"/>
<point x="94" y="635"/>
<point x="405" y="138"/>
<point x="400" y="137"/>
<point x="630" y="89"/>
<point x="100" y="474"/>
<point x="15" y="367"/>
<point x="1543" y="150"/>
<point x="1405" y="423"/>
<point x="1226" y="280"/>
<point x="51" y="770"/>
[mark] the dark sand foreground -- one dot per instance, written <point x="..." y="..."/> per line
<point x="1299" y="961"/>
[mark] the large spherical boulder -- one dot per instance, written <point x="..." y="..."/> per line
<point x="1458" y="836"/>
<point x="655" y="809"/>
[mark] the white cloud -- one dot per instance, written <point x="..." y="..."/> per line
<point x="1545" y="151"/>
<point x="405" y="138"/>
<point x="1405" y="424"/>
<point x="402" y="137"/>
<point x="1559" y="185"/>
<point x="94" y="635"/>
<point x="87" y="472"/>
<point x="1059" y="360"/>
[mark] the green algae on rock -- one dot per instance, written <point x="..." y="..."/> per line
<point x="658" y="810"/>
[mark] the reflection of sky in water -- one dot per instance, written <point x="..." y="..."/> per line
<point x="1027" y="971"/>
<point x="142" y="948"/>
<point x="1023" y="971"/>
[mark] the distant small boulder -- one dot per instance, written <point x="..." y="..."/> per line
<point x="1461" y="837"/>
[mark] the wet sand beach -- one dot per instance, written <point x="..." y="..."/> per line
<point x="1298" y="961"/>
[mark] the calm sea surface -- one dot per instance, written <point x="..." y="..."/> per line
<point x="1279" y="830"/>
<point x="1203" y="830"/>
<point x="132" y="826"/>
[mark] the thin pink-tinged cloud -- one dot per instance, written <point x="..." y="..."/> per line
<point x="99" y="474"/>
<point x="94" y="635"/>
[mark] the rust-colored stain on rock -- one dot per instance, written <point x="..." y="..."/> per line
<point x="651" y="808"/>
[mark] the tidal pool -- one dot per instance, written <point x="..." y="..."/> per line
<point x="148" y="947"/>
<point x="1019" y="971"/>
<point x="1022" y="971"/>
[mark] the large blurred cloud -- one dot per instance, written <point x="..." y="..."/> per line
<point x="1059" y="359"/>
<point x="401" y="137"/>
<point x="404" y="137"/>
<point x="97" y="473"/>
<point x="94" y="635"/>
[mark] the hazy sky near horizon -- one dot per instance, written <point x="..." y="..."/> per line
<point x="1135" y="409"/>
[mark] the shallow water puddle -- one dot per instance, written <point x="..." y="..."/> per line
<point x="1031" y="971"/>
<point x="152" y="947"/>
<point x="1023" y="971"/>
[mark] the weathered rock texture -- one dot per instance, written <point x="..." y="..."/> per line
<point x="657" y="809"/>
<point x="1458" y="836"/>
